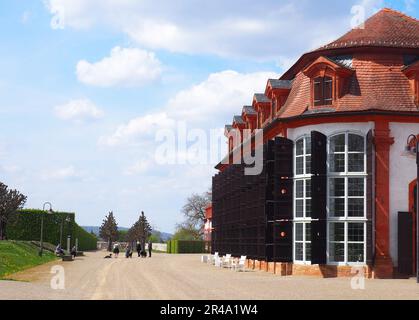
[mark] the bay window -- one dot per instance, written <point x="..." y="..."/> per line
<point x="302" y="201"/>
<point x="346" y="208"/>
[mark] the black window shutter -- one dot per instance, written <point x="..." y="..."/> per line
<point x="405" y="243"/>
<point x="283" y="241"/>
<point x="319" y="198"/>
<point x="370" y="198"/>
<point x="281" y="248"/>
<point x="318" y="242"/>
<point x="284" y="151"/>
<point x="319" y="154"/>
<point x="284" y="183"/>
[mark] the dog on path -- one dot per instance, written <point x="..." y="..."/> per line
<point x="109" y="256"/>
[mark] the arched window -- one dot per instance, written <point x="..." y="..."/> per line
<point x="347" y="179"/>
<point x="302" y="201"/>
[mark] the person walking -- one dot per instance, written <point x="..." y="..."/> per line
<point x="116" y="250"/>
<point x="74" y="252"/>
<point x="139" y="249"/>
<point x="150" y="248"/>
<point x="128" y="252"/>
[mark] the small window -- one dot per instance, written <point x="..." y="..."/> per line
<point x="323" y="91"/>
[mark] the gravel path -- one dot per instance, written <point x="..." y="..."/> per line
<point x="179" y="277"/>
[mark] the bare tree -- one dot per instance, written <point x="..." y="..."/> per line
<point x="194" y="212"/>
<point x="109" y="230"/>
<point x="10" y="202"/>
<point x="186" y="231"/>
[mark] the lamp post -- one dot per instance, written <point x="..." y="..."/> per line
<point x="67" y="219"/>
<point x="414" y="151"/>
<point x="42" y="225"/>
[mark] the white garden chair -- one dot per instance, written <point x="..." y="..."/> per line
<point x="218" y="262"/>
<point x="240" y="264"/>
<point x="214" y="258"/>
<point x="227" y="261"/>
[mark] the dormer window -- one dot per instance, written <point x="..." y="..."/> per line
<point x="327" y="78"/>
<point x="277" y="91"/>
<point x="412" y="73"/>
<point x="273" y="111"/>
<point x="323" y="91"/>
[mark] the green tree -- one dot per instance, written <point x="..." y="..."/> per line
<point x="109" y="230"/>
<point x="155" y="237"/>
<point x="140" y="231"/>
<point x="122" y="235"/>
<point x="10" y="202"/>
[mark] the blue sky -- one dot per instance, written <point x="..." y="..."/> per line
<point x="85" y="85"/>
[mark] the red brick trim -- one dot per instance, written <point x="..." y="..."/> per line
<point x="383" y="266"/>
<point x="412" y="186"/>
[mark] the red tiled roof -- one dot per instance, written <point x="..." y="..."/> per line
<point x="378" y="84"/>
<point x="387" y="28"/>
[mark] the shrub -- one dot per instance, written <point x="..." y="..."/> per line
<point x="86" y="240"/>
<point x="184" y="246"/>
<point x="26" y="226"/>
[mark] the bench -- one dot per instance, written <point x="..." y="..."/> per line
<point x="67" y="258"/>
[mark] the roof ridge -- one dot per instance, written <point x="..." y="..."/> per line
<point x="355" y="38"/>
<point x="387" y="9"/>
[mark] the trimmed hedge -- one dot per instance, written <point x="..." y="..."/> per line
<point x="26" y="226"/>
<point x="184" y="246"/>
<point x="87" y="241"/>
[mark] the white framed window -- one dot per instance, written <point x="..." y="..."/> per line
<point x="302" y="242"/>
<point x="302" y="200"/>
<point x="347" y="201"/>
<point x="347" y="242"/>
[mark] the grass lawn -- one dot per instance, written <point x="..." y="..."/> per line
<point x="18" y="255"/>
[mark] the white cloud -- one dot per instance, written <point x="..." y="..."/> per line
<point x="266" y="29"/>
<point x="144" y="127"/>
<point x="218" y="98"/>
<point x="78" y="111"/>
<point x="65" y="173"/>
<point x="140" y="167"/>
<point x="207" y="105"/>
<point x="127" y="67"/>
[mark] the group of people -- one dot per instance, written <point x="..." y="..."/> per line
<point x="59" y="251"/>
<point x="129" y="251"/>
